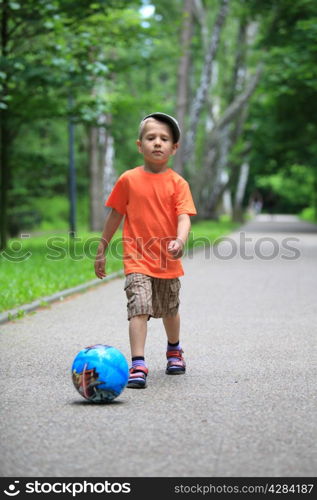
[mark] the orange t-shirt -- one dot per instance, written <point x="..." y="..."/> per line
<point x="151" y="204"/>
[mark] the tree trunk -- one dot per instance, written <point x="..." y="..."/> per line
<point x="102" y="175"/>
<point x="242" y="183"/>
<point x="200" y="15"/>
<point x="224" y="135"/>
<point x="239" y="68"/>
<point x="205" y="79"/>
<point x="219" y="167"/>
<point x="107" y="159"/>
<point x="183" y="79"/>
<point x="231" y="123"/>
<point x="235" y="107"/>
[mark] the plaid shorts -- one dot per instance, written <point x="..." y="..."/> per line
<point x="153" y="296"/>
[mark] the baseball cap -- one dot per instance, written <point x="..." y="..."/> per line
<point x="172" y="122"/>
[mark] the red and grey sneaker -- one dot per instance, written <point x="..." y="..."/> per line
<point x="175" y="362"/>
<point x="137" y="377"/>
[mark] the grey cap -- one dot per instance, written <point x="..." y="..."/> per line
<point x="172" y="122"/>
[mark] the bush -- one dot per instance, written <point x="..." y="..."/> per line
<point x="308" y="214"/>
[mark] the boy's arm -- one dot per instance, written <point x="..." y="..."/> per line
<point x="112" y="223"/>
<point x="176" y="246"/>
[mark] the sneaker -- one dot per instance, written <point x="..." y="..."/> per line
<point x="175" y="363"/>
<point x="137" y="377"/>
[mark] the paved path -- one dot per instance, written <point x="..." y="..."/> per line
<point x="246" y="407"/>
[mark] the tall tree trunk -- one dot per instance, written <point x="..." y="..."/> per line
<point x="107" y="158"/>
<point x="240" y="101"/>
<point x="239" y="68"/>
<point x="240" y="191"/>
<point x="225" y="131"/>
<point x="219" y="180"/>
<point x="200" y="15"/>
<point x="183" y="79"/>
<point x="227" y="128"/>
<point x="102" y="175"/>
<point x="4" y="137"/>
<point x="205" y="79"/>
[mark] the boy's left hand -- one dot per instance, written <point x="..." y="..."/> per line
<point x="176" y="247"/>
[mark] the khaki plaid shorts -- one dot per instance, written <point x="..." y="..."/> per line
<point x="153" y="296"/>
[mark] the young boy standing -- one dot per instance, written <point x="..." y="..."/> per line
<point x="156" y="203"/>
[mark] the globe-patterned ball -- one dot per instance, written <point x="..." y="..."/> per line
<point x="100" y="373"/>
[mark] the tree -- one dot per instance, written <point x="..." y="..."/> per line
<point x="44" y="49"/>
<point x="205" y="80"/>
<point x="183" y="78"/>
<point x="223" y="106"/>
<point x="282" y="126"/>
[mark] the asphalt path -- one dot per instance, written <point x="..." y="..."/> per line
<point x="246" y="406"/>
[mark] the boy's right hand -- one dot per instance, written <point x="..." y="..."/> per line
<point x="100" y="265"/>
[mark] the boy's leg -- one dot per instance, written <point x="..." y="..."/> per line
<point x="137" y="334"/>
<point x="165" y="306"/>
<point x="138" y="289"/>
<point x="174" y="353"/>
<point x="172" y="328"/>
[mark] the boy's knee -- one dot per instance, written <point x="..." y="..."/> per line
<point x="171" y="316"/>
<point x="139" y="317"/>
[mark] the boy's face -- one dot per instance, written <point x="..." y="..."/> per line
<point x="156" y="143"/>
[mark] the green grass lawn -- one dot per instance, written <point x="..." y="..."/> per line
<point x="32" y="268"/>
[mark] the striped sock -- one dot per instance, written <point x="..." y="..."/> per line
<point x="138" y="361"/>
<point x="173" y="347"/>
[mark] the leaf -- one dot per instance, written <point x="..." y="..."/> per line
<point x="14" y="5"/>
<point x="48" y="24"/>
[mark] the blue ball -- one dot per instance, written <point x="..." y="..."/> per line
<point x="100" y="373"/>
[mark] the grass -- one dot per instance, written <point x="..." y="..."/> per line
<point x="32" y="268"/>
<point x="309" y="214"/>
<point x="208" y="232"/>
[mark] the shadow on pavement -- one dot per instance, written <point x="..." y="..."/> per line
<point x="85" y="402"/>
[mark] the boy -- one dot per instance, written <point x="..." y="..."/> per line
<point x="156" y="203"/>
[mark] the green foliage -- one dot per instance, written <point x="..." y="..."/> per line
<point x="113" y="60"/>
<point x="282" y="125"/>
<point x="40" y="174"/>
<point x="309" y="214"/>
<point x="60" y="48"/>
<point x="290" y="193"/>
<point x="54" y="213"/>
